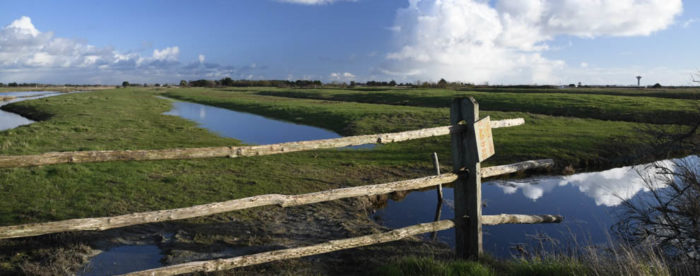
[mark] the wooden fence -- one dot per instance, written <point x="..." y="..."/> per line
<point x="471" y="143"/>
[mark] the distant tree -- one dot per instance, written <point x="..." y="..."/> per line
<point x="227" y="81"/>
<point x="125" y="84"/>
<point x="157" y="85"/>
<point x="442" y="83"/>
<point x="145" y="84"/>
<point x="183" y="83"/>
<point x="202" y="83"/>
<point x="12" y="84"/>
<point x="657" y="85"/>
<point x="2" y="84"/>
<point x="392" y="83"/>
<point x="572" y="85"/>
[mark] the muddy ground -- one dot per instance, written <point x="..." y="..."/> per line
<point x="228" y="235"/>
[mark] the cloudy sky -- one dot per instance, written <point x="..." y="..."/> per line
<point x="477" y="41"/>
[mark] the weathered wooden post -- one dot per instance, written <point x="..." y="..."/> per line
<point x="469" y="148"/>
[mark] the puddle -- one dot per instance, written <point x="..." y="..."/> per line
<point x="589" y="203"/>
<point x="124" y="259"/>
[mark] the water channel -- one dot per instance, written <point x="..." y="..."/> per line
<point x="9" y="120"/>
<point x="249" y="128"/>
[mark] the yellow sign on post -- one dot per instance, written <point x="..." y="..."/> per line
<point x="484" y="138"/>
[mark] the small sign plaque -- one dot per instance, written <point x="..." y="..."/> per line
<point x="484" y="138"/>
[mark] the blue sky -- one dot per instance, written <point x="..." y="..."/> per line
<point x="497" y="42"/>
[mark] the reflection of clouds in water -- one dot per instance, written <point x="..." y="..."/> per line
<point x="607" y="188"/>
<point x="202" y="113"/>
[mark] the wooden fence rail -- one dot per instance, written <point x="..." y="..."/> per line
<point x="334" y="245"/>
<point x="104" y="223"/>
<point x="12" y="161"/>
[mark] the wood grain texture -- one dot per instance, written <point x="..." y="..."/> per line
<point x="13" y="161"/>
<point x="104" y="223"/>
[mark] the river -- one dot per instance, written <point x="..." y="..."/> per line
<point x="9" y="120"/>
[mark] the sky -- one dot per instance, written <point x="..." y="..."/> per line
<point x="554" y="42"/>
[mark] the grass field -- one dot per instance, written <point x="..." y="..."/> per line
<point x="597" y="106"/>
<point x="132" y="119"/>
<point x="581" y="142"/>
<point x="673" y="93"/>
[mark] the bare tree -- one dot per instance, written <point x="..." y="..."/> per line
<point x="668" y="216"/>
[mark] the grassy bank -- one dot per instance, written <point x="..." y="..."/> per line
<point x="597" y="106"/>
<point x="582" y="143"/>
<point x="131" y="119"/>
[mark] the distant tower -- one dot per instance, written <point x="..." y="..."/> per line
<point x="639" y="79"/>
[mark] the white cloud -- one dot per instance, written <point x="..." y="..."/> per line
<point x="23" y="26"/>
<point x="29" y="55"/>
<point x="167" y="54"/>
<point x="472" y="40"/>
<point x="314" y="2"/>
<point x="346" y="76"/>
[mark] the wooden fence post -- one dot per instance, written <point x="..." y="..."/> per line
<point x="467" y="190"/>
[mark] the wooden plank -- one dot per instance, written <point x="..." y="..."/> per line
<point x="516" y="167"/>
<point x="507" y="123"/>
<point x="484" y="139"/>
<point x="293" y="253"/>
<point x="467" y="190"/>
<point x="12" y="161"/>
<point x="104" y="223"/>
<point x="519" y="219"/>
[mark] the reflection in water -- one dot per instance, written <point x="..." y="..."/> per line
<point x="609" y="188"/>
<point x="249" y="128"/>
<point x="124" y="259"/>
<point x="588" y="201"/>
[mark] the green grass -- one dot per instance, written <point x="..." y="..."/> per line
<point x="673" y="93"/>
<point x="132" y="119"/>
<point x="430" y="267"/>
<point x="597" y="106"/>
<point x="409" y="266"/>
<point x="583" y="143"/>
<point x="636" y="264"/>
